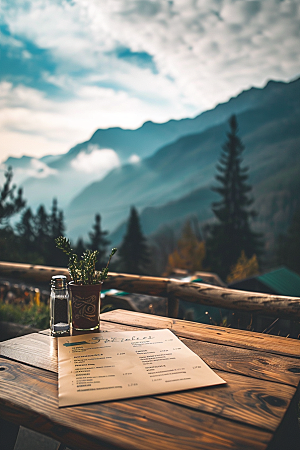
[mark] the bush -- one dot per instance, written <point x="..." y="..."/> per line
<point x="32" y="315"/>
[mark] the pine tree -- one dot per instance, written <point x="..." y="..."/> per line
<point x="80" y="247"/>
<point x="98" y="241"/>
<point x="232" y="233"/>
<point x="56" y="225"/>
<point x="25" y="230"/>
<point x="10" y="203"/>
<point x="56" y="228"/>
<point x="288" y="245"/>
<point x="29" y="244"/>
<point x="134" y="253"/>
<point x="42" y="232"/>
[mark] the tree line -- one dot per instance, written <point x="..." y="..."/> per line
<point x="229" y="248"/>
<point x="32" y="238"/>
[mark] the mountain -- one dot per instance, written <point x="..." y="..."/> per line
<point x="160" y="185"/>
<point x="65" y="176"/>
<point x="172" y="176"/>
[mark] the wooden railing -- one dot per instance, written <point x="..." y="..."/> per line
<point x="173" y="290"/>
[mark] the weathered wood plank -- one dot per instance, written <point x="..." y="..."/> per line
<point x="142" y="423"/>
<point x="35" y="349"/>
<point x="243" y="399"/>
<point x="255" y="364"/>
<point x="208" y="333"/>
<point x="241" y="392"/>
<point x="40" y="349"/>
<point x="272" y="305"/>
<point x="253" y="302"/>
<point x="30" y="272"/>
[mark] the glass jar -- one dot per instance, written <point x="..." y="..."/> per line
<point x="59" y="306"/>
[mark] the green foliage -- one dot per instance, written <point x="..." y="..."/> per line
<point x="232" y="233"/>
<point x="83" y="271"/>
<point x="32" y="238"/>
<point x="10" y="203"/>
<point x="134" y="253"/>
<point x="98" y="239"/>
<point x="33" y="315"/>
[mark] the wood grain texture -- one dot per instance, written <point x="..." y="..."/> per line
<point x="208" y="333"/>
<point x="270" y="305"/>
<point x="40" y="350"/>
<point x="254" y="364"/>
<point x="142" y="423"/>
<point x="245" y="413"/>
<point x="254" y="302"/>
<point x="31" y="272"/>
<point x="249" y="393"/>
<point x="35" y="349"/>
<point x="244" y="399"/>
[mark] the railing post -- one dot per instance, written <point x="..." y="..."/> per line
<point x="172" y="306"/>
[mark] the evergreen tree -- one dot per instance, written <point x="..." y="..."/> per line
<point x="80" y="247"/>
<point x="10" y="203"/>
<point x="98" y="241"/>
<point x="25" y="227"/>
<point x="232" y="233"/>
<point x="42" y="232"/>
<point x="27" y="238"/>
<point x="56" y="228"/>
<point x="288" y="246"/>
<point x="56" y="225"/>
<point x="37" y="233"/>
<point x="134" y="253"/>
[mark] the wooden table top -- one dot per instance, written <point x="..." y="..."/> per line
<point x="256" y="409"/>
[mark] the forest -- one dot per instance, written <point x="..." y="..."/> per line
<point x="227" y="245"/>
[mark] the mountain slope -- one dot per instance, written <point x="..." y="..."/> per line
<point x="151" y="136"/>
<point x="270" y="132"/>
<point x="64" y="176"/>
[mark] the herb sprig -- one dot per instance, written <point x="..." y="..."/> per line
<point x="82" y="271"/>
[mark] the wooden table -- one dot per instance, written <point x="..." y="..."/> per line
<point x="255" y="410"/>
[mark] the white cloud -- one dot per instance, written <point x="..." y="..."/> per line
<point x="204" y="51"/>
<point x="96" y="161"/>
<point x="40" y="170"/>
<point x="134" y="159"/>
<point x="35" y="169"/>
<point x="35" y="125"/>
<point x="200" y="45"/>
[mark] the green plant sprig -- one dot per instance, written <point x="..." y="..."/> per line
<point x="82" y="271"/>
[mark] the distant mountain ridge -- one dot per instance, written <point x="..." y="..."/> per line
<point x="177" y="165"/>
<point x="55" y="175"/>
<point x="271" y="133"/>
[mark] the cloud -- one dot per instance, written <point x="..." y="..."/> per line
<point x="33" y="124"/>
<point x="96" y="161"/>
<point x="134" y="159"/>
<point x="39" y="169"/>
<point x="33" y="168"/>
<point x="197" y="45"/>
<point x="90" y="64"/>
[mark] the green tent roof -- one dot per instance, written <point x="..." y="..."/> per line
<point x="283" y="281"/>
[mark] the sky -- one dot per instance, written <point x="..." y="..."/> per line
<point x="70" y="67"/>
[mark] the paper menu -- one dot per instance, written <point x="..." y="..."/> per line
<point x="114" y="365"/>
